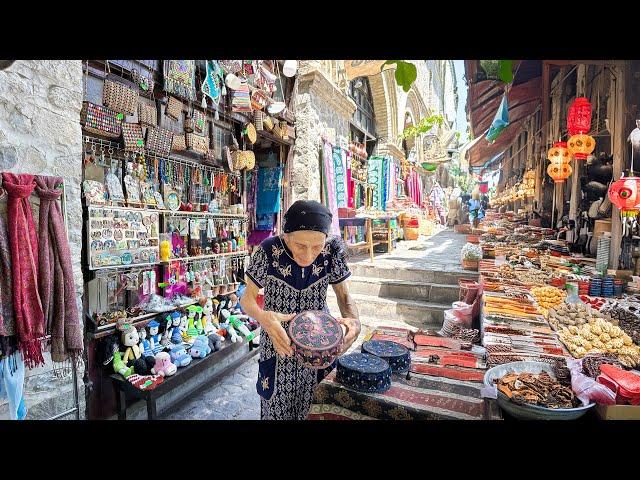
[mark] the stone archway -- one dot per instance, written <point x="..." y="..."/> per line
<point x="384" y="102"/>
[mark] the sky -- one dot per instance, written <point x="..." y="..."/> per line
<point x="461" y="117"/>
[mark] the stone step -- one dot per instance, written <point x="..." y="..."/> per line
<point x="369" y="270"/>
<point x="386" y="311"/>
<point x="405" y="289"/>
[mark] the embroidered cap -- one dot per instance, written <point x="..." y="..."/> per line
<point x="307" y="215"/>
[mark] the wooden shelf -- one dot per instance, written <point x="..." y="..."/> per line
<point x="203" y="214"/>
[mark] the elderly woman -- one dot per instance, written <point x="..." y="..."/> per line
<point x="295" y="269"/>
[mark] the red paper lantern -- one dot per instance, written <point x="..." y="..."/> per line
<point x="559" y="153"/>
<point x="579" y="116"/>
<point x="483" y="187"/>
<point x="625" y="194"/>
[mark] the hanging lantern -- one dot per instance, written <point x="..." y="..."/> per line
<point x="580" y="146"/>
<point x="579" y="116"/>
<point x="625" y="194"/>
<point x="483" y="187"/>
<point x="559" y="153"/>
<point x="559" y="171"/>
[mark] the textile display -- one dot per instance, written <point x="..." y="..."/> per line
<point x="212" y="84"/>
<point x="350" y="184"/>
<point x="328" y="178"/>
<point x="265" y="221"/>
<point x="12" y="385"/>
<point x="23" y="241"/>
<point x="180" y="78"/>
<point x="7" y="319"/>
<point x="340" y="174"/>
<point x="269" y="181"/>
<point x="56" y="284"/>
<point x="375" y="177"/>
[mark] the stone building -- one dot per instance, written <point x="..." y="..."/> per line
<point x="371" y="109"/>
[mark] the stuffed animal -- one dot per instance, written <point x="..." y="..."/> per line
<point x="163" y="365"/>
<point x="175" y="334"/>
<point x="193" y="317"/>
<point x="112" y="354"/>
<point x="184" y="327"/>
<point x="154" y="336"/>
<point x="215" y="342"/>
<point x="133" y="352"/>
<point x="179" y="356"/>
<point x="208" y="323"/>
<point x="236" y="323"/>
<point x="200" y="347"/>
<point x="144" y="343"/>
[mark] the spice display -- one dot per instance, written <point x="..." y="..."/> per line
<point x="537" y="389"/>
<point x="548" y="297"/>
<point x="600" y="336"/>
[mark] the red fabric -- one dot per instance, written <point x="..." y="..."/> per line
<point x="24" y="250"/>
<point x="448" y="372"/>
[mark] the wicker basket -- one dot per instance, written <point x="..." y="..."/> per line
<point x="473" y="239"/>
<point x="470" y="265"/>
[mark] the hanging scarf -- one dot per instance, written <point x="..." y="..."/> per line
<point x="340" y="174"/>
<point x="57" y="288"/>
<point x="24" y="250"/>
<point x="180" y="77"/>
<point x="7" y="319"/>
<point x="375" y="177"/>
<point x="330" y="186"/>
<point x="269" y="180"/>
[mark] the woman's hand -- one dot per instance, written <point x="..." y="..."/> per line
<point x="271" y="323"/>
<point x="353" y="330"/>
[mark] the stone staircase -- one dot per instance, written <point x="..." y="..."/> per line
<point x="390" y="296"/>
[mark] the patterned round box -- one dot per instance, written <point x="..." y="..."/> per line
<point x="397" y="355"/>
<point x="364" y="372"/>
<point x="316" y="338"/>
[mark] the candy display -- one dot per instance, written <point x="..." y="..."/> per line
<point x="548" y="297"/>
<point x="573" y="314"/>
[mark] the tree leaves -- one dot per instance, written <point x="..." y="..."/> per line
<point x="406" y="73"/>
<point x="424" y="126"/>
<point x="506" y="71"/>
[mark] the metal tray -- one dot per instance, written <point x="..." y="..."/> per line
<point x="530" y="412"/>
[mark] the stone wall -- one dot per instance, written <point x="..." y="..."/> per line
<point x="40" y="133"/>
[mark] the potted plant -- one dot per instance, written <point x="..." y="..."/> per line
<point x="471" y="255"/>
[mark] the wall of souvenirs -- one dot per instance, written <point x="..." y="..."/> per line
<point x="169" y="163"/>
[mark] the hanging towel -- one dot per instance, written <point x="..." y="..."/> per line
<point x="331" y="201"/>
<point x="340" y="174"/>
<point x="268" y="199"/>
<point x="24" y="250"/>
<point x="375" y="177"/>
<point x="56" y="284"/>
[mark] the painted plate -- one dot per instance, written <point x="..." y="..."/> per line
<point x="173" y="202"/>
<point x="126" y="258"/>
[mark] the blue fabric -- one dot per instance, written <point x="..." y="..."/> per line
<point x="265" y="221"/>
<point x="12" y="385"/>
<point x="500" y="121"/>
<point x="268" y="196"/>
<point x="340" y="177"/>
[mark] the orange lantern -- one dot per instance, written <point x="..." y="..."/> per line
<point x="559" y="171"/>
<point x="580" y="146"/>
<point x="559" y="153"/>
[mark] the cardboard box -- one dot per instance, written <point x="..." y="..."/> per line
<point x="618" y="412"/>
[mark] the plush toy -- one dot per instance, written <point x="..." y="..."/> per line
<point x="215" y="342"/>
<point x="179" y="356"/>
<point x="154" y="336"/>
<point x="193" y="317"/>
<point x="236" y="323"/>
<point x="112" y="353"/>
<point x="144" y="343"/>
<point x="175" y="335"/>
<point x="163" y="365"/>
<point x="133" y="353"/>
<point x="200" y="347"/>
<point x="208" y="323"/>
<point x="184" y="327"/>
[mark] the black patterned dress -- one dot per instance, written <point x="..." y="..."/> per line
<point x="285" y="386"/>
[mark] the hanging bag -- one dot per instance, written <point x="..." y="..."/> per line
<point x="100" y="120"/>
<point x="500" y="121"/>
<point x="147" y="114"/>
<point x="197" y="143"/>
<point x="132" y="136"/>
<point x="179" y="143"/>
<point x="174" y="108"/>
<point x="159" y="140"/>
<point x="119" y="94"/>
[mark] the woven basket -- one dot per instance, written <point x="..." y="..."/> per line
<point x="249" y="160"/>
<point x="197" y="143"/>
<point x="466" y="285"/>
<point x="179" y="143"/>
<point x="276" y="130"/>
<point x="473" y="239"/>
<point x="174" y="108"/>
<point x="267" y="122"/>
<point x="284" y="130"/>
<point x="239" y="160"/>
<point x="147" y="114"/>
<point x="470" y="265"/>
<point x="120" y="95"/>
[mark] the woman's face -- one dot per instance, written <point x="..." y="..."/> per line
<point x="305" y="246"/>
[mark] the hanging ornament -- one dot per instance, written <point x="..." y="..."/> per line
<point x="579" y="116"/>
<point x="290" y="68"/>
<point x="559" y="153"/>
<point x="483" y="187"/>
<point x="559" y="171"/>
<point x="232" y="81"/>
<point x="580" y="146"/>
<point x="625" y="194"/>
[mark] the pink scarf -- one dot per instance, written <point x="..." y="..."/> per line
<point x="27" y="307"/>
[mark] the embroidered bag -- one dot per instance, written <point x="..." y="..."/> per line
<point x="197" y="143"/>
<point x="174" y="108"/>
<point x="100" y="120"/>
<point x="179" y="143"/>
<point x="144" y="82"/>
<point x="132" y="136"/>
<point x="198" y="120"/>
<point x="119" y="94"/>
<point x="159" y="140"/>
<point x="147" y="114"/>
<point x="240" y="98"/>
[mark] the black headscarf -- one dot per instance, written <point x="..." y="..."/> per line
<point x="307" y="215"/>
